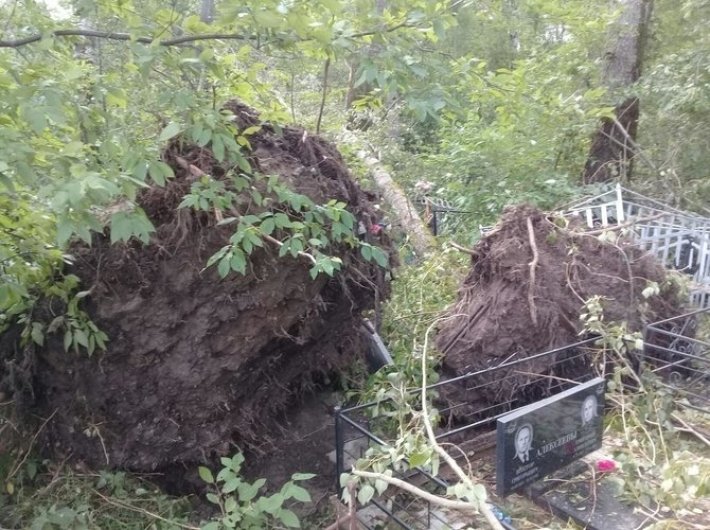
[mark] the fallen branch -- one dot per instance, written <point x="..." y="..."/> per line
<point x="461" y="248"/>
<point x="533" y="267"/>
<point x="483" y="507"/>
<point x="422" y="494"/>
<point x="402" y="208"/>
<point x="689" y="429"/>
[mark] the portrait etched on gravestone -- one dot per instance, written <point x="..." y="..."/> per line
<point x="523" y="442"/>
<point x="589" y="409"/>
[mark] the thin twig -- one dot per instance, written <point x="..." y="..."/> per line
<point x="136" y="509"/>
<point x="32" y="441"/>
<point x="197" y="172"/>
<point x="280" y="244"/>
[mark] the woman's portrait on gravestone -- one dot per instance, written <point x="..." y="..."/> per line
<point x="589" y="410"/>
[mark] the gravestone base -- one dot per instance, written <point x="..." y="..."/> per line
<point x="592" y="505"/>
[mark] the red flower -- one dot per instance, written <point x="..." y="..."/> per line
<point x="606" y="465"/>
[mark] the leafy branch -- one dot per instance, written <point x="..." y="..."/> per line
<point x="177" y="41"/>
<point x="240" y="504"/>
<point x="470" y="496"/>
<point x="110" y="35"/>
<point x="310" y="226"/>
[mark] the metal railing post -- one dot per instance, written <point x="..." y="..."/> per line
<point x="339" y="449"/>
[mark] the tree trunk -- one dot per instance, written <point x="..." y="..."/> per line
<point x="207" y="11"/>
<point x="405" y="212"/>
<point x="612" y="152"/>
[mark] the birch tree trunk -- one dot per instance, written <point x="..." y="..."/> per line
<point x="421" y="239"/>
<point x="613" y="147"/>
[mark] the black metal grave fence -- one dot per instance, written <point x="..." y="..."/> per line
<point x="474" y="403"/>
<point x="676" y="351"/>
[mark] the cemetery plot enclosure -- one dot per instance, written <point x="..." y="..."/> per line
<point x="677" y="350"/>
<point x="680" y="240"/>
<point x="471" y="398"/>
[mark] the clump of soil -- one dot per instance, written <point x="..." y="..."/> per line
<point x="197" y="364"/>
<point x="501" y="316"/>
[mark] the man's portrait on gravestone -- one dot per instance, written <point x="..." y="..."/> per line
<point x="589" y="410"/>
<point x="523" y="441"/>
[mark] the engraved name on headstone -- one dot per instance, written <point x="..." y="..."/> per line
<point x="538" y="439"/>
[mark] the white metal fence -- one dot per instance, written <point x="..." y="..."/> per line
<point x="680" y="240"/>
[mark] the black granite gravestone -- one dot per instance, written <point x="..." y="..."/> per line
<point x="535" y="440"/>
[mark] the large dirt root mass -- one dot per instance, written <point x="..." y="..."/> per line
<point x="500" y="317"/>
<point x="196" y="363"/>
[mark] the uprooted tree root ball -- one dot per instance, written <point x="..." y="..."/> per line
<point x="528" y="283"/>
<point x="196" y="364"/>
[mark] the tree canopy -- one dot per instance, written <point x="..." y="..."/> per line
<point x="493" y="101"/>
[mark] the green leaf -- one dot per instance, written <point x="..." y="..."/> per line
<point x="231" y="485"/>
<point x="271" y="504"/>
<point x="380" y="257"/>
<point x="7" y="182"/>
<point x="218" y="148"/>
<point x="213" y="498"/>
<point x="171" y="130"/>
<point x="365" y="494"/>
<point x="205" y="474"/>
<point x="37" y="333"/>
<point x="289" y="518"/>
<point x="214" y="525"/>
<point x="297" y="492"/>
<point x="224" y="266"/>
<point x="80" y="338"/>
<point x="68" y="338"/>
<point x="213" y="259"/>
<point x="282" y="220"/>
<point x="251" y="130"/>
<point x="237" y="461"/>
<point x="156" y="173"/>
<point x="247" y="491"/>
<point x="230" y="505"/>
<point x="302" y="476"/>
<point x="238" y="262"/>
<point x="418" y="459"/>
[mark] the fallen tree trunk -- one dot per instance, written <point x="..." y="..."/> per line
<point x="404" y="211"/>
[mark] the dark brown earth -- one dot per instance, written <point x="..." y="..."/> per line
<point x="493" y="321"/>
<point x="197" y="366"/>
